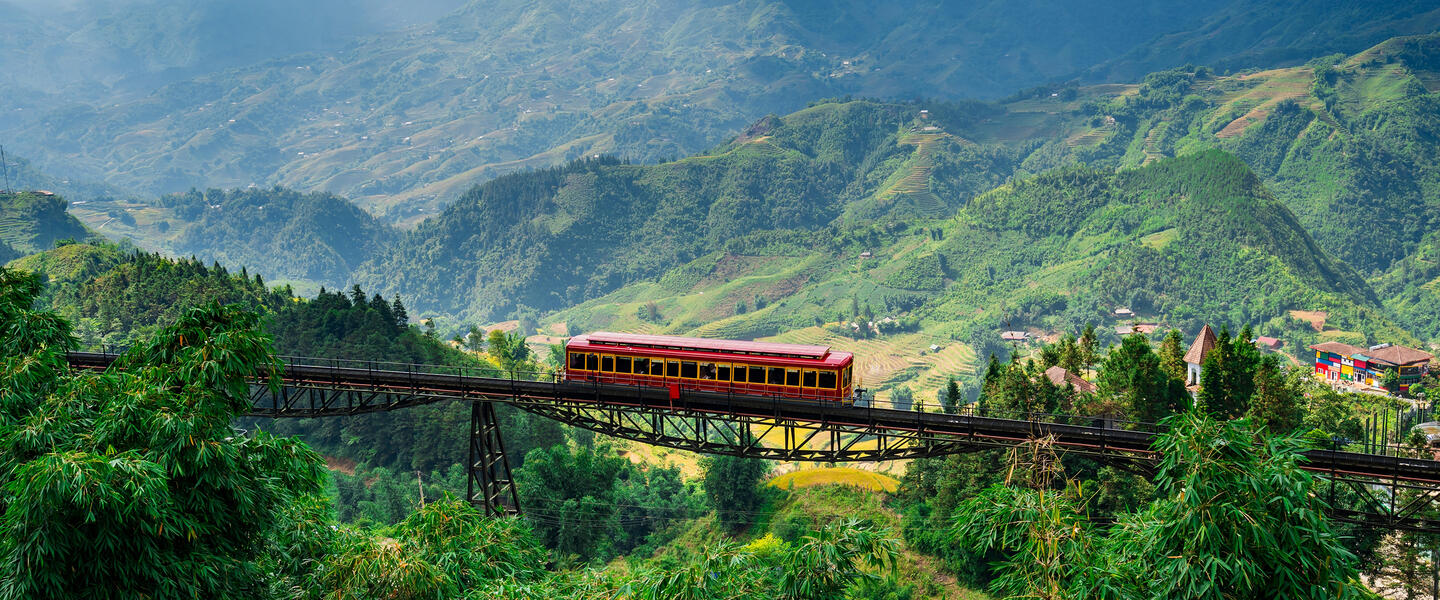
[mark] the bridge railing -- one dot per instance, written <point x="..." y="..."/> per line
<point x="557" y="377"/>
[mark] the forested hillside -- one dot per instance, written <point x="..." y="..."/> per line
<point x="314" y="237"/>
<point x="105" y="499"/>
<point x="409" y="120"/>
<point x="34" y="221"/>
<point x="115" y="298"/>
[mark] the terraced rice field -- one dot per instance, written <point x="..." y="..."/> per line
<point x="1087" y="138"/>
<point x="896" y="359"/>
<point x="1275" y="86"/>
<point x="915" y="184"/>
<point x="850" y="476"/>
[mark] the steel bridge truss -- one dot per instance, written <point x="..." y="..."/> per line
<point x="1395" y="492"/>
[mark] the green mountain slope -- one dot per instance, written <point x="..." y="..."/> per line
<point x="281" y="233"/>
<point x="34" y="221"/>
<point x="408" y="121"/>
<point x="552" y="238"/>
<point x="1248" y="34"/>
<point x="1183" y="241"/>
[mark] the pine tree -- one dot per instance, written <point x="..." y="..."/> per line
<point x="1275" y="404"/>
<point x="1227" y="378"/>
<point x="402" y="320"/>
<point x="1089" y="346"/>
<point x="951" y="400"/>
<point x="1172" y="355"/>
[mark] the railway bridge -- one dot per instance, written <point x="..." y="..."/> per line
<point x="1395" y="490"/>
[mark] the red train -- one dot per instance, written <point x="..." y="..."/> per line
<point x="758" y="368"/>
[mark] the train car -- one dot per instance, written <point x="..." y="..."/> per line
<point x="683" y="363"/>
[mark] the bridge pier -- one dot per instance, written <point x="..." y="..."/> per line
<point x="491" y="487"/>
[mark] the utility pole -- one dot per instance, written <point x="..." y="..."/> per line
<point x="5" y="169"/>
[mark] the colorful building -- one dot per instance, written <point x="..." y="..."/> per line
<point x="1335" y="361"/>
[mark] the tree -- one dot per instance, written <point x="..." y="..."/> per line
<point x="131" y="482"/>
<point x="1131" y="375"/>
<point x="949" y="397"/>
<point x="1088" y="346"/>
<point x="398" y="309"/>
<point x="1236" y="517"/>
<point x="575" y="491"/>
<point x="821" y="566"/>
<point x="448" y="549"/>
<point x="733" y="486"/>
<point x="1241" y="515"/>
<point x="901" y="398"/>
<point x="1390" y="380"/>
<point x="1227" y="377"/>
<point x="1172" y="355"/>
<point x="475" y="339"/>
<point x="1275" y="404"/>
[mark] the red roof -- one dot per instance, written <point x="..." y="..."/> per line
<point x="1399" y="355"/>
<point x="1059" y="376"/>
<point x="605" y="338"/>
<point x="1268" y="341"/>
<point x="1204" y="341"/>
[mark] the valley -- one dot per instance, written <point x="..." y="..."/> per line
<point x="1031" y="212"/>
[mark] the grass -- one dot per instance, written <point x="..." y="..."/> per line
<point x="849" y="476"/>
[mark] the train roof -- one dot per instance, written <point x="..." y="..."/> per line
<point x="671" y="342"/>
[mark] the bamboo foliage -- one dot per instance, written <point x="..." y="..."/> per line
<point x="1235" y="517"/>
<point x="132" y="483"/>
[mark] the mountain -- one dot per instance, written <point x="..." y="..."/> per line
<point x="1185" y="241"/>
<point x="1249" y="34"/>
<point x="281" y="233"/>
<point x="34" y="221"/>
<point x="405" y="121"/>
<point x="98" y="50"/>
<point x="838" y="179"/>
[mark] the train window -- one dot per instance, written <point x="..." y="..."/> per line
<point x="577" y="360"/>
<point x="607" y="363"/>
<point x="845" y="381"/>
<point x="707" y="371"/>
<point x="591" y="362"/>
<point x="757" y="374"/>
<point x="672" y="369"/>
<point x="777" y="376"/>
<point x="722" y="372"/>
<point x="808" y="378"/>
<point x="827" y="380"/>
<point x="687" y="370"/>
<point x="792" y="377"/>
<point x="622" y="364"/>
<point x="657" y="367"/>
<point x="739" y="375"/>
<point x="642" y="366"/>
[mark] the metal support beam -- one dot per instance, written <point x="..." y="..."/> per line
<point x="1391" y="490"/>
<point x="491" y="486"/>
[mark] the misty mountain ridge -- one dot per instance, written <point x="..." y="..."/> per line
<point x="404" y="122"/>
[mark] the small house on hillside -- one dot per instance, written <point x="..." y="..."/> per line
<point x="1146" y="328"/>
<point x="1266" y="342"/>
<point x="1195" y="356"/>
<point x="1124" y="312"/>
<point x="1061" y="378"/>
<point x="1014" y="336"/>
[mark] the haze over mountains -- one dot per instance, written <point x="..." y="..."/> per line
<point x="678" y="189"/>
<point x="402" y="122"/>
